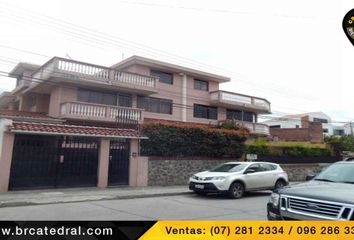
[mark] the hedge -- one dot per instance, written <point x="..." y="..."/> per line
<point x="184" y="141"/>
<point x="288" y="151"/>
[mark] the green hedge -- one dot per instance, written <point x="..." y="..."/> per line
<point x="288" y="151"/>
<point x="179" y="141"/>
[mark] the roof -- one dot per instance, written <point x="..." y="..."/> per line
<point x="21" y="67"/>
<point x="159" y="65"/>
<point x="23" y="115"/>
<point x="73" y="130"/>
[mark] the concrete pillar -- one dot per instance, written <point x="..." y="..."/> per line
<point x="184" y="97"/>
<point x="138" y="166"/>
<point x="134" y="101"/>
<point x="103" y="163"/>
<point x="5" y="160"/>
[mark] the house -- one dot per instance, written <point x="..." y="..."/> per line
<point x="295" y="121"/>
<point x="69" y="123"/>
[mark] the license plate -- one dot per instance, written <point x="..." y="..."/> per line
<point x="200" y="186"/>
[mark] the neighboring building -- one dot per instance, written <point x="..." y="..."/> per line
<point x="309" y="132"/>
<point x="69" y="123"/>
<point x="294" y="121"/>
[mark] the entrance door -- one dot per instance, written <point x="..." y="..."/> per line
<point x="119" y="162"/>
<point x="53" y="161"/>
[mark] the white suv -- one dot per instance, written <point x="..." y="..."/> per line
<point x="235" y="178"/>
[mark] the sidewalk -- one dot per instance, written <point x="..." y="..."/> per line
<point x="36" y="197"/>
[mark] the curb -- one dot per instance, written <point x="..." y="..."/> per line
<point x="133" y="196"/>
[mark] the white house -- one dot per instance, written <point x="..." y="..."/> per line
<point x="294" y="121"/>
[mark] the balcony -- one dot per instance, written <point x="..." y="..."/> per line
<point x="239" y="101"/>
<point x="98" y="112"/>
<point x="71" y="71"/>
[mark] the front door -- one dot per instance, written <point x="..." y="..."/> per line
<point x="119" y="162"/>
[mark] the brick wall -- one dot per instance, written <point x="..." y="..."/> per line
<point x="310" y="132"/>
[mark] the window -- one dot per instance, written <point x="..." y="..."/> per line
<point x="274" y="126"/>
<point x="239" y="115"/>
<point x="268" y="167"/>
<point x="325" y="130"/>
<point x="201" y="85"/>
<point x="297" y="126"/>
<point x="201" y="111"/>
<point x="114" y="99"/>
<point x="321" y="120"/>
<point x="163" y="76"/>
<point x="157" y="105"/>
<point x="338" y="132"/>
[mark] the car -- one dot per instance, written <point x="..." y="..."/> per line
<point x="327" y="196"/>
<point x="236" y="178"/>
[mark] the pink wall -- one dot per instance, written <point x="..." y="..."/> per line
<point x="5" y="160"/>
<point x="60" y="95"/>
<point x="174" y="93"/>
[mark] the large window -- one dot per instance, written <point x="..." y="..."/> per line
<point x="201" y="85"/>
<point x="157" y="105"/>
<point x="201" y="111"/>
<point x="321" y="120"/>
<point x="239" y="115"/>
<point x="163" y="76"/>
<point x="114" y="99"/>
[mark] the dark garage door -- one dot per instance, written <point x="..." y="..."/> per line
<point x="119" y="162"/>
<point x="53" y="161"/>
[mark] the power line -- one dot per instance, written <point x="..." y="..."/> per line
<point x="77" y="31"/>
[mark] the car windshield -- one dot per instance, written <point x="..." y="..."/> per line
<point x="229" y="167"/>
<point x="340" y="172"/>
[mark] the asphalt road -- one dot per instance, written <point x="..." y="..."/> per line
<point x="188" y="207"/>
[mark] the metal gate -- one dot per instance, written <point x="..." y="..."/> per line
<point x="53" y="161"/>
<point x="119" y="162"/>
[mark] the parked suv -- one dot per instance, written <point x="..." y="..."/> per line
<point x="234" y="178"/>
<point x="328" y="196"/>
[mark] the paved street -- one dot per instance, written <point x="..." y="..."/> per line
<point x="188" y="206"/>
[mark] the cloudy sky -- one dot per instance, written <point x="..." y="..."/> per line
<point x="294" y="53"/>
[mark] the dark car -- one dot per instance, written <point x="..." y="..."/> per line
<point x="328" y="196"/>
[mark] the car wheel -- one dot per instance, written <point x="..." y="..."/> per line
<point x="279" y="184"/>
<point x="236" y="190"/>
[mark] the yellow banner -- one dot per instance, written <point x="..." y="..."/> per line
<point x="250" y="230"/>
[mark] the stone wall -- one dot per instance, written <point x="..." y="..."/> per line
<point x="298" y="172"/>
<point x="177" y="172"/>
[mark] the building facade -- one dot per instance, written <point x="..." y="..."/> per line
<point x="69" y="123"/>
<point x="295" y="121"/>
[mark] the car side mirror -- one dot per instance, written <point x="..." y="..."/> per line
<point x="310" y="176"/>
<point x="251" y="170"/>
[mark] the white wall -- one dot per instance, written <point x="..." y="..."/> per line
<point x="285" y="123"/>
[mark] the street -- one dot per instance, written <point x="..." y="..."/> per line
<point x="188" y="207"/>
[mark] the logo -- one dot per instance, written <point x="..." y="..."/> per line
<point x="312" y="206"/>
<point x="348" y="25"/>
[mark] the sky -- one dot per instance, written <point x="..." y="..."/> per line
<point x="293" y="53"/>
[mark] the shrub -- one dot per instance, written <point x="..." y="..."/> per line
<point x="178" y="141"/>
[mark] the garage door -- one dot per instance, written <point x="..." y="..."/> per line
<point x="53" y="161"/>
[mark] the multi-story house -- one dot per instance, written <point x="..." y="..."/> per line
<point x="69" y="123"/>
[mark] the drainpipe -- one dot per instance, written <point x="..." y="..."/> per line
<point x="184" y="97"/>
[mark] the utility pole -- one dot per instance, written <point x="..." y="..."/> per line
<point x="351" y="128"/>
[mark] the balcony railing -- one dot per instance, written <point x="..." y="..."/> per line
<point x="98" y="112"/>
<point x="61" y="67"/>
<point x="255" y="128"/>
<point x="230" y="99"/>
